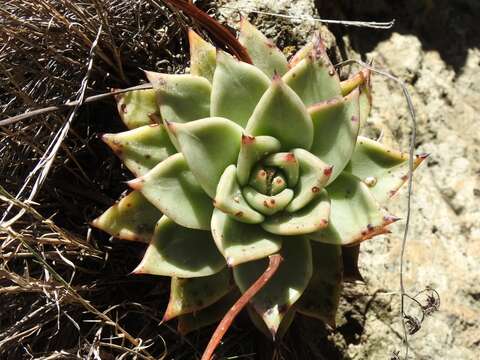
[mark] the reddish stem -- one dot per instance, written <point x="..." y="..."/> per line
<point x="224" y="325"/>
<point x="217" y="30"/>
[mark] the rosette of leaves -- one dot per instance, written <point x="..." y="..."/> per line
<point x="235" y="162"/>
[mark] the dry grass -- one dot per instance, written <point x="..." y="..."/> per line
<point x="65" y="292"/>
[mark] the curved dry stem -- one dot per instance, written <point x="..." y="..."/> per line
<point x="217" y="30"/>
<point x="224" y="325"/>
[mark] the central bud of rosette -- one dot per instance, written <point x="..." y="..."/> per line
<point x="272" y="187"/>
<point x="271" y="183"/>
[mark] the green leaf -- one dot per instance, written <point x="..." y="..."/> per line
<point x="193" y="294"/>
<point x="355" y="214"/>
<point x="138" y="108"/>
<point x="203" y="56"/>
<point x="209" y="146"/>
<point x="142" y="148"/>
<point x="267" y="204"/>
<point x="267" y="180"/>
<point x="336" y="125"/>
<point x="173" y="189"/>
<point x="301" y="54"/>
<point x="314" y="175"/>
<point x="208" y="316"/>
<point x="280" y="109"/>
<point x="180" y="252"/>
<point x="288" y="163"/>
<point x="285" y="287"/>
<point x="131" y="218"/>
<point x="237" y="88"/>
<point x="311" y="218"/>
<point x="182" y="98"/>
<point x="353" y="82"/>
<point x="351" y="271"/>
<point x="282" y="329"/>
<point x="230" y="200"/>
<point x="239" y="242"/>
<point x="264" y="53"/>
<point x="313" y="78"/>
<point x="320" y="299"/>
<point x="253" y="149"/>
<point x="382" y="168"/>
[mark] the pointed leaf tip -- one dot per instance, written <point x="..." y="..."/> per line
<point x="202" y="56"/>
<point x="136" y="184"/>
<point x="264" y="53"/>
<point x="281" y="108"/>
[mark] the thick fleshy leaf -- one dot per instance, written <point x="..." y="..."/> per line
<point x="229" y="199"/>
<point x="320" y="299"/>
<point x="382" y="168"/>
<point x="138" y="108"/>
<point x="362" y="81"/>
<point x="264" y="53"/>
<point x="142" y="148"/>
<point x="354" y="81"/>
<point x="267" y="204"/>
<point x="209" y="146"/>
<point x="311" y="218"/>
<point x="252" y="150"/>
<point x="314" y="78"/>
<point x="239" y="242"/>
<point x="207" y="316"/>
<point x="280" y="109"/>
<point x="286" y="286"/>
<point x="336" y="125"/>
<point x="182" y="98"/>
<point x="190" y="295"/>
<point x="351" y="271"/>
<point x="173" y="189"/>
<point x="314" y="174"/>
<point x="282" y="329"/>
<point x="202" y="56"/>
<point x="267" y="180"/>
<point x="354" y="213"/>
<point x="180" y="252"/>
<point x="131" y="218"/>
<point x="237" y="88"/>
<point x="301" y="54"/>
<point x="288" y="163"/>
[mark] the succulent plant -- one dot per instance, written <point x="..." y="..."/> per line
<point x="235" y="162"/>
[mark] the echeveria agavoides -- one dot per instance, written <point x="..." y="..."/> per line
<point x="235" y="162"/>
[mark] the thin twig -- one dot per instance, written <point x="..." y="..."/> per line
<point x="46" y="161"/>
<point x="135" y="342"/>
<point x="366" y="24"/>
<point x="413" y="137"/>
<point x="46" y="110"/>
<point x="224" y="325"/>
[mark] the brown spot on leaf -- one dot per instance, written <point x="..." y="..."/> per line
<point x="247" y="139"/>
<point x="328" y="171"/>
<point x="123" y="108"/>
<point x="289" y="157"/>
<point x="315" y="189"/>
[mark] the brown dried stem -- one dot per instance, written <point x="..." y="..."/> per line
<point x="217" y="30"/>
<point x="224" y="325"/>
